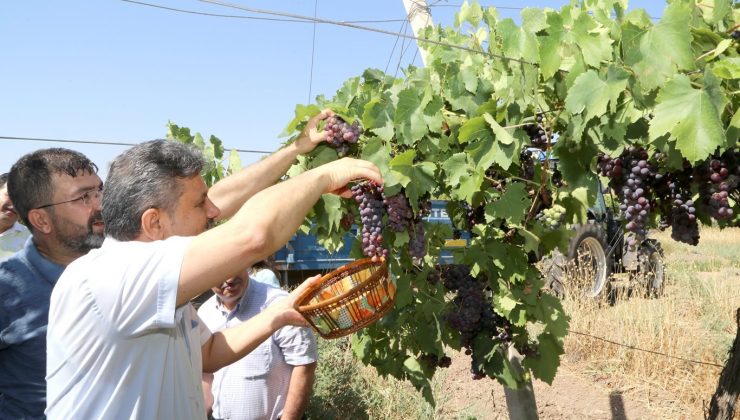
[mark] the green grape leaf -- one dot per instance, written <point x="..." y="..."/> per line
<point x="512" y="206"/>
<point x="471" y="13"/>
<point x="502" y="135"/>
<point x="408" y="103"/>
<point x="421" y="173"/>
<point x="518" y="43"/>
<point x="545" y="365"/>
<point x="235" y="162"/>
<point x="474" y="128"/>
<point x="593" y="40"/>
<point x="376" y="117"/>
<point x="689" y="116"/>
<point x="302" y="114"/>
<point x="728" y="68"/>
<point x="533" y="19"/>
<point x="655" y="52"/>
<point x="456" y="166"/>
<point x="589" y="93"/>
<point x="416" y="376"/>
<point x="218" y="147"/>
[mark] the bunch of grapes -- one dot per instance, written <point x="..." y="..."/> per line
<point x="527" y="162"/>
<point x="370" y="198"/>
<point x="340" y="134"/>
<point x="431" y="360"/>
<point x="537" y="133"/>
<point x="631" y="175"/>
<point x="471" y="313"/>
<point x="715" y="192"/>
<point x="417" y="243"/>
<point x="474" y="215"/>
<point x="552" y="217"/>
<point x="684" y="226"/>
<point x="400" y="215"/>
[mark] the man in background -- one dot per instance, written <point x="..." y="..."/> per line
<point x="275" y="379"/>
<point x="57" y="194"/>
<point x="12" y="234"/>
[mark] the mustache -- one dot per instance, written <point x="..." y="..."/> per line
<point x="96" y="217"/>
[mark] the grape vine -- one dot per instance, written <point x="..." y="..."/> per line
<point x="610" y="101"/>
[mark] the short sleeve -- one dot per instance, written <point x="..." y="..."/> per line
<point x="298" y="345"/>
<point x="146" y="293"/>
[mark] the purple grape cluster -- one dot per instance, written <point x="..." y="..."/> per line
<point x="431" y="360"/>
<point x="684" y="226"/>
<point x="401" y="219"/>
<point x="527" y="162"/>
<point x="716" y="191"/>
<point x="632" y="175"/>
<point x="471" y="313"/>
<point x="418" y="242"/>
<point x="537" y="133"/>
<point x="370" y="198"/>
<point x="400" y="215"/>
<point x="340" y="134"/>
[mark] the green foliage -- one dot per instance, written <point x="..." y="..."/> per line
<point x="602" y="80"/>
<point x="213" y="153"/>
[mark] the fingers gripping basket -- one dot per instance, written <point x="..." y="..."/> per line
<point x="349" y="298"/>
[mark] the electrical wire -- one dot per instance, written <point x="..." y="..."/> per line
<point x="313" y="49"/>
<point x="364" y="28"/>
<point x="106" y="143"/>
<point x="193" y="12"/>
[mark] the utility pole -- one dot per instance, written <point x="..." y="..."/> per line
<point x="419" y="18"/>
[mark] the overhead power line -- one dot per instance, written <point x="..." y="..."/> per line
<point x="194" y="12"/>
<point x="107" y="143"/>
<point x="360" y="27"/>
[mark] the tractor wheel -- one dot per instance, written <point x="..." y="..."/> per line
<point x="585" y="269"/>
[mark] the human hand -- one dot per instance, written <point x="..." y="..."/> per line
<point x="286" y="310"/>
<point x="341" y="172"/>
<point x="310" y="136"/>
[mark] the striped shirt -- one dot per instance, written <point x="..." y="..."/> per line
<point x="256" y="386"/>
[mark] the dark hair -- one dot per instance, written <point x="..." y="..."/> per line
<point x="144" y="177"/>
<point x="29" y="180"/>
<point x="3" y="179"/>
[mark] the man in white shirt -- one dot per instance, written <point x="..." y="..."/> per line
<point x="273" y="381"/>
<point x="13" y="235"/>
<point x="123" y="340"/>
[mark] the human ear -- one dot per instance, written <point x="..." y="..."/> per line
<point x="152" y="226"/>
<point x="40" y="221"/>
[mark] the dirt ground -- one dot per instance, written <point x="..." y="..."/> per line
<point x="571" y="396"/>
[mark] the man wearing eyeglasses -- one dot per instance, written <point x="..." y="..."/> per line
<point x="57" y="193"/>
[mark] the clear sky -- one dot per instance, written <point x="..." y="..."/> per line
<point x="114" y="71"/>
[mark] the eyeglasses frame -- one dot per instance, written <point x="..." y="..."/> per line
<point x="84" y="197"/>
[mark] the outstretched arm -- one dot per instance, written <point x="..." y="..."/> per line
<point x="227" y="346"/>
<point x="232" y="192"/>
<point x="299" y="391"/>
<point x="262" y="225"/>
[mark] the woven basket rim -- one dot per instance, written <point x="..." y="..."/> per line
<point x="351" y="267"/>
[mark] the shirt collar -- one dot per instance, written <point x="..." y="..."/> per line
<point x="47" y="269"/>
<point x="220" y="306"/>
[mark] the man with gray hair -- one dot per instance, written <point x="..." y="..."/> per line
<point x="57" y="194"/>
<point x="123" y="340"/>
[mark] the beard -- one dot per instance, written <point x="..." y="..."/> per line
<point x="80" y="239"/>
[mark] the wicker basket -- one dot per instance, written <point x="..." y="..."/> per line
<point x="349" y="298"/>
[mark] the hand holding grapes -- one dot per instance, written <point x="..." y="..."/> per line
<point x="341" y="172"/>
<point x="310" y="136"/>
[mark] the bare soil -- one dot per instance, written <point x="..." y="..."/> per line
<point x="571" y="396"/>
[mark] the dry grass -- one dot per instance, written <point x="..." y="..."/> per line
<point x="694" y="319"/>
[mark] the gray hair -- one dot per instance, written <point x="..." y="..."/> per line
<point x="29" y="180"/>
<point x="144" y="177"/>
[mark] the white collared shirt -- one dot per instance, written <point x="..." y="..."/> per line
<point x="117" y="348"/>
